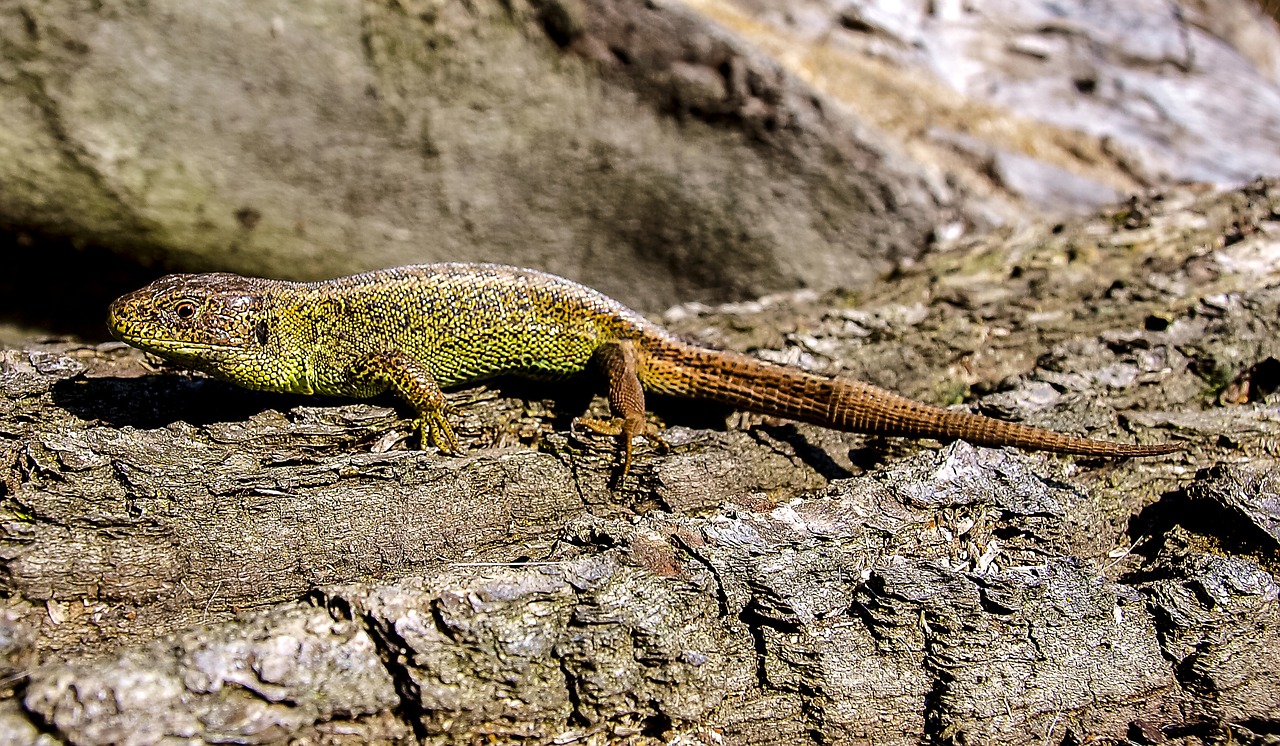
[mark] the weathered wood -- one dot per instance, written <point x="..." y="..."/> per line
<point x="187" y="561"/>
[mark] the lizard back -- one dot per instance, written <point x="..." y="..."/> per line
<point x="465" y="322"/>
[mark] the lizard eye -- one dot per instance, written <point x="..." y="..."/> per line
<point x="185" y="310"/>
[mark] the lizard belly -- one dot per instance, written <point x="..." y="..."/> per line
<point x="535" y="351"/>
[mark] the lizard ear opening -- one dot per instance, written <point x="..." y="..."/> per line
<point x="260" y="331"/>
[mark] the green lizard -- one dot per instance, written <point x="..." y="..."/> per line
<point x="417" y="330"/>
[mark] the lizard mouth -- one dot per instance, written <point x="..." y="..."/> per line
<point x="157" y="344"/>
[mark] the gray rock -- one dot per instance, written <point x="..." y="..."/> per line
<point x="1058" y="94"/>
<point x="627" y="144"/>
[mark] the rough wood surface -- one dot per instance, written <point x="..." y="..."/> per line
<point x="185" y="562"/>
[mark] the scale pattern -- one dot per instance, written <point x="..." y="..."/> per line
<point x="418" y="329"/>
<point x="464" y="322"/>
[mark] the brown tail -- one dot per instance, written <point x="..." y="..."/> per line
<point x="675" y="368"/>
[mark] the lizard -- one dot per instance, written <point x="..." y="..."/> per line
<point x="418" y="330"/>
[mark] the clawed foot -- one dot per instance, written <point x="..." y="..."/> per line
<point x="433" y="427"/>
<point x="625" y="429"/>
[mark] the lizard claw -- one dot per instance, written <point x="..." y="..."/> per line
<point x="625" y="429"/>
<point x="611" y="427"/>
<point x="434" y="427"/>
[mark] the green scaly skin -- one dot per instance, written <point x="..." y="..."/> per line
<point x="417" y="330"/>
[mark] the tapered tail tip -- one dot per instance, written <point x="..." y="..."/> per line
<point x="1153" y="449"/>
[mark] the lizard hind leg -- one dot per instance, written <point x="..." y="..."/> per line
<point x="618" y="361"/>
<point x="414" y="383"/>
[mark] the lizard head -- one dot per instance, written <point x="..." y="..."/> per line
<point x="218" y="323"/>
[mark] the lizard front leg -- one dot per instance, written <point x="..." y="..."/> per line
<point x="410" y="379"/>
<point x="618" y="361"/>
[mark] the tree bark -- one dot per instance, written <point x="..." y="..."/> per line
<point x="185" y="561"/>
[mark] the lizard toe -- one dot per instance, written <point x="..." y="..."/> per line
<point x="435" y="429"/>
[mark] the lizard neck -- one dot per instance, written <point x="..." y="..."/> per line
<point x="285" y="359"/>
